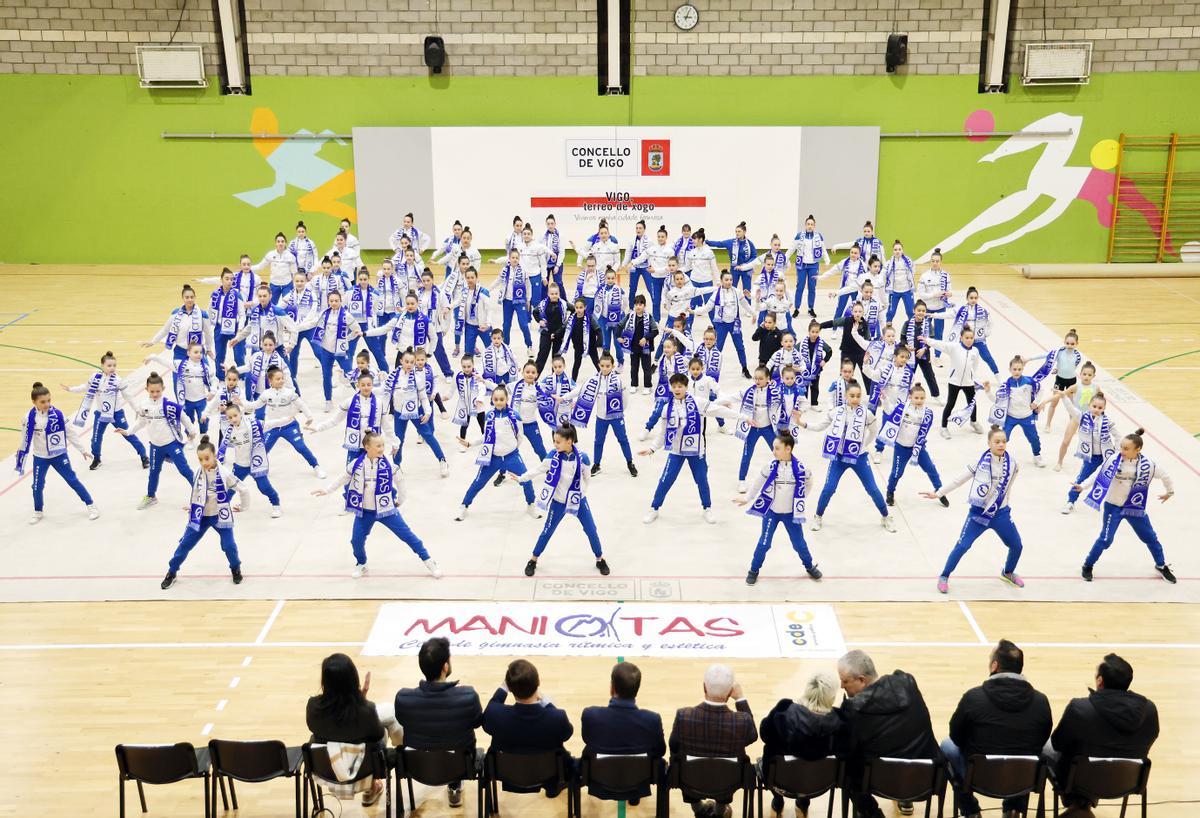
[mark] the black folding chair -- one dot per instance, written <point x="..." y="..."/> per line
<point x="161" y="764"/>
<point x="436" y="768"/>
<point x="528" y="772"/>
<point x="713" y="777"/>
<point x="1003" y="776"/>
<point x="794" y="778"/>
<point x="623" y="778"/>
<point x="1102" y="779"/>
<point x="254" y="762"/>
<point x="317" y="767"/>
<point x="904" y="779"/>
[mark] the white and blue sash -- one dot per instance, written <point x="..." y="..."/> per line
<point x="569" y="330"/>
<point x="880" y="387"/>
<point x="746" y="411"/>
<point x="1087" y="426"/>
<point x="847" y="434"/>
<point x="838" y="388"/>
<point x="712" y="360"/>
<point x="352" y="441"/>
<point x="986" y="498"/>
<point x="362" y="304"/>
<point x="465" y="386"/>
<point x="689" y="433"/>
<point x="666" y="368"/>
<point x="260" y="364"/>
<point x="498" y="361"/>
<point x="405" y="383"/>
<point x="614" y="405"/>
<point x="554" y="470"/>
<point x="609" y="302"/>
<point x="472" y="298"/>
<point x="892" y="423"/>
<point x="385" y="490"/>
<point x="101" y="397"/>
<point x="343" y="331"/>
<point x="194" y="331"/>
<point x="766" y="496"/>
<point x="555" y="413"/>
<point x="814" y="362"/>
<point x="56" y="436"/>
<point x="258" y="447"/>
<point x="1139" y="491"/>
<point x="487" y="449"/>
<point x="226" y="306"/>
<point x="420" y="328"/>
<point x="200" y="497"/>
<point x="206" y="375"/>
<point x="520" y="284"/>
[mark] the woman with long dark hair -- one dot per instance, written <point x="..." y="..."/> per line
<point x="341" y="712"/>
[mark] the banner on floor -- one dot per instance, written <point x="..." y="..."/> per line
<point x="609" y="629"/>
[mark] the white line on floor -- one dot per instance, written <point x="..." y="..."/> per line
<point x="221" y="704"/>
<point x="207" y="729"/>
<point x="266" y="628"/>
<point x="246" y="662"/>
<point x="962" y="606"/>
<point x="234" y="681"/>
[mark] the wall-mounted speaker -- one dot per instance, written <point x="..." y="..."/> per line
<point x="897" y="51"/>
<point x="435" y="53"/>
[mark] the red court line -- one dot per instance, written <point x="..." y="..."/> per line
<point x="580" y="201"/>
<point x="1150" y="435"/>
<point x="559" y="578"/>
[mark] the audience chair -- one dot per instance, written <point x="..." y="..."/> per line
<point x="528" y="772"/>
<point x="713" y="777"/>
<point x="625" y="776"/>
<point x="794" y="778"/>
<point x="1102" y="779"/>
<point x="161" y="764"/>
<point x="904" y="779"/>
<point x="254" y="762"/>
<point x="436" y="768"/>
<point x="1001" y="776"/>
<point x="317" y="768"/>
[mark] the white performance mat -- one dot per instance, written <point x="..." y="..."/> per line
<point x="610" y="629"/>
<point x="306" y="553"/>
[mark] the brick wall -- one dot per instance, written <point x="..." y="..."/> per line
<point x="558" y="37"/>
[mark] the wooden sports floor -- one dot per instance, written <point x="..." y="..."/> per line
<point x="78" y="678"/>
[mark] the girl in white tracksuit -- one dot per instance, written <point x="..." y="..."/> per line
<point x="1097" y="440"/>
<point x="899" y="281"/>
<point x="726" y="307"/>
<point x="965" y="367"/>
<point x="281" y="267"/>
<point x="809" y="250"/>
<point x="702" y="265"/>
<point x="658" y="254"/>
<point x="44" y="439"/>
<point x="283" y="406"/>
<point x="408" y="402"/>
<point x="852" y="270"/>
<point x="333" y="329"/>
<point x="104" y="398"/>
<point x="975" y="315"/>
<point x="934" y="289"/>
<point x="603" y="395"/>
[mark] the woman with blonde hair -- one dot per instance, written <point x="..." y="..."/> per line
<point x="804" y="728"/>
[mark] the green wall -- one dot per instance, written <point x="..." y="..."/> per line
<point x="90" y="179"/>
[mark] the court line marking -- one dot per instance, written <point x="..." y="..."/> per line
<point x="48" y="352"/>
<point x="206" y="729"/>
<point x="15" y="320"/>
<point x="1155" y="363"/>
<point x="221" y="704"/>
<point x="266" y="628"/>
<point x="962" y="606"/>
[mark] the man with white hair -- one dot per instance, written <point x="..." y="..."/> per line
<point x="885" y="716"/>
<point x="711" y="728"/>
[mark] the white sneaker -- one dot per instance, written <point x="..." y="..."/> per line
<point x="36" y="518"/>
<point x="889" y="523"/>
<point x="433" y="569"/>
<point x="727" y="428"/>
<point x="876" y="457"/>
<point x="741" y="487"/>
<point x="445" y="468"/>
<point x="708" y="517"/>
<point x="1068" y="508"/>
<point x="462" y="514"/>
<point x="1037" y="461"/>
<point x="645" y="435"/>
<point x="976" y="427"/>
<point x="319" y="473"/>
<point x="93" y="512"/>
<point x="359" y="571"/>
<point x="945" y="433"/>
<point x="147" y="501"/>
<point x="444" y="415"/>
<point x="343" y="512"/>
<point x="328" y="406"/>
<point x="533" y="511"/>
<point x="651" y="516"/>
<point x="815" y="525"/>
<point x="646" y="390"/>
<point x="276" y="512"/>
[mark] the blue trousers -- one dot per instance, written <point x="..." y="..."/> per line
<point x="534" y="435"/>
<point x="699" y="467"/>
<point x="765" y="434"/>
<point x="1086" y="468"/>
<point x="770" y="522"/>
<point x="842" y="301"/>
<point x="618" y="428"/>
<point x="439" y="355"/>
<point x="741" y="279"/>
<point x="158" y="455"/>
<point x="293" y="358"/>
<point x="394" y="523"/>
<point x="1108" y="530"/>
<point x="189" y="539"/>
<point x="642" y="274"/>
<point x="557" y="275"/>
<point x="609" y="336"/>
<point x="518" y="309"/>
<point x="536" y="289"/>
<point x="510" y="462"/>
<point x="862" y="469"/>
<point x="894" y="302"/>
<point x="656" y="291"/>
<point x="328" y="360"/>
<point x="986" y="355"/>
<point x="1002" y="524"/>
<point x="278" y="291"/>
<point x="292" y="434"/>
<point x="263" y="482"/>
<point x="119" y="422"/>
<point x="194" y="409"/>
<point x="725" y="329"/>
<point x="376" y="344"/>
<point x="221" y="344"/>
<point x="939" y="332"/>
<point x="555" y="515"/>
<point x="901" y="456"/>
<point x="472" y="336"/>
<point x="62" y="465"/>
<point x="656" y="413"/>
<point x="1029" y="427"/>
<point x="806" y="279"/>
<point x="425" y="430"/>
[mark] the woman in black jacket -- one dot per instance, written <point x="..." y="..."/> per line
<point x="342" y="712"/>
<point x="805" y="729"/>
<point x="850" y="348"/>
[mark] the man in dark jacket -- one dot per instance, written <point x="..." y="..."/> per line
<point x="439" y="714"/>
<point x="622" y="728"/>
<point x="530" y="725"/>
<point x="885" y="716"/>
<point x="1003" y="716"/>
<point x="1112" y="722"/>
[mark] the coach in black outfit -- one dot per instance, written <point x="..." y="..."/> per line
<point x="550" y="323"/>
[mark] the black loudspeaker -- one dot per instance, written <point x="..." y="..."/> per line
<point x="897" y="51"/>
<point x="435" y="53"/>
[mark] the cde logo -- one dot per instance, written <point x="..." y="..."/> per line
<point x="798" y="627"/>
<point x="656" y="157"/>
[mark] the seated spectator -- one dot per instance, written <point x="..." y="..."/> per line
<point x="439" y="714"/>
<point x="342" y="713"/>
<point x="804" y="729"/>
<point x="622" y="728"/>
<point x="885" y="717"/>
<point x="1003" y="716"/>
<point x="1112" y="722"/>
<point x="530" y="725"/>
<point x="711" y="728"/>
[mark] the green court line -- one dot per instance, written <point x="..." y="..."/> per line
<point x="9" y="429"/>
<point x="48" y="352"/>
<point x="1156" y="363"/>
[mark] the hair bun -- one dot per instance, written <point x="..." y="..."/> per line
<point x="204" y="438"/>
<point x="38" y="385"/>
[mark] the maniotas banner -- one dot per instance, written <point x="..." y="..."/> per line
<point x="600" y="629"/>
<point x="712" y="177"/>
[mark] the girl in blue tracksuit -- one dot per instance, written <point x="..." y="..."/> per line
<point x="333" y="329"/>
<point x="563" y="493"/>
<point x="45" y="436"/>
<point x="906" y="429"/>
<point x="742" y="255"/>
<point x="227" y="308"/>
<point x="845" y="448"/>
<point x="513" y="289"/>
<point x="104" y="394"/>
<point x="868" y="244"/>
<point x="185" y="326"/>
<point x="530" y="400"/>
<point x="1097" y="438"/>
<point x="603" y="395"/>
<point x="974" y="315"/>
<point x="404" y="396"/>
<point x="498" y="453"/>
<point x="364" y="305"/>
<point x="758" y="409"/>
<point x="809" y="249"/>
<point x="853" y="270"/>
<point x="473" y="304"/>
<point x="777" y="497"/>
<point x="243" y="449"/>
<point x="726" y="306"/>
<point x="682" y="435"/>
<point x="899" y="281"/>
<point x="1016" y="405"/>
<point x="637" y="261"/>
<point x="991" y="479"/>
<point x="610" y="315"/>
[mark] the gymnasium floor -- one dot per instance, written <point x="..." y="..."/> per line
<point x="244" y="667"/>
